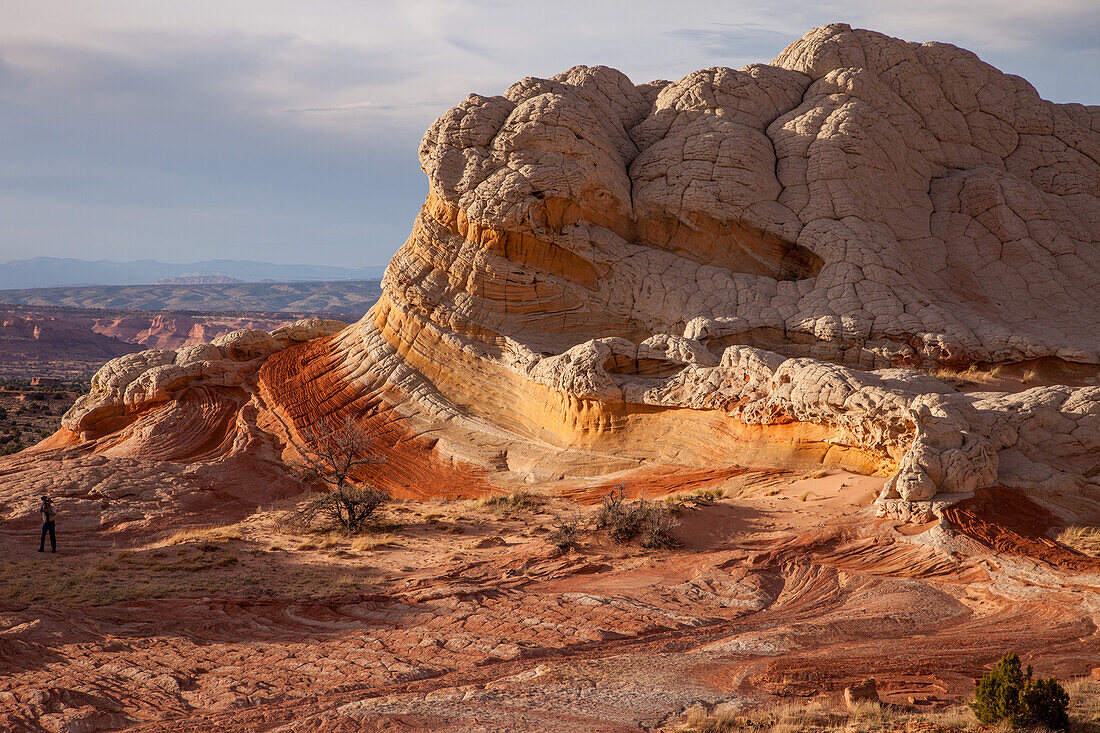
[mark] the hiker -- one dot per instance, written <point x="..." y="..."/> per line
<point x="48" y="513"/>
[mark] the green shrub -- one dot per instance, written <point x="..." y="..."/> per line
<point x="1045" y="703"/>
<point x="1006" y="693"/>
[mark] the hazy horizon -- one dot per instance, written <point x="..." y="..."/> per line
<point x="185" y="133"/>
<point x="54" y="272"/>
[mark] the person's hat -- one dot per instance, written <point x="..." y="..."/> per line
<point x="45" y="498"/>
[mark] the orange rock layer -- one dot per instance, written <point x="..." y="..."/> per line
<point x="303" y="384"/>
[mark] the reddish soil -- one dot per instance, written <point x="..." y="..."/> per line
<point x="461" y="616"/>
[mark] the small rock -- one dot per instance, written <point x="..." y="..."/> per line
<point x="864" y="691"/>
<point x="726" y="709"/>
<point x="484" y="544"/>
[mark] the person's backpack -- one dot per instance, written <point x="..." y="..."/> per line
<point x="48" y="510"/>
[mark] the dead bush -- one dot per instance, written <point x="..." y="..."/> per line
<point x="650" y="524"/>
<point x="332" y="450"/>
<point x="348" y="507"/>
<point x="566" y="533"/>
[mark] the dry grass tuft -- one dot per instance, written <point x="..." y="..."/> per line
<point x="959" y="717"/>
<point x="324" y="542"/>
<point x="971" y="374"/>
<point x="346" y="582"/>
<point x="820" y="718"/>
<point x="107" y="566"/>
<point x="874" y="715"/>
<point x="1084" y="704"/>
<point x="517" y="501"/>
<point x="1083" y="539"/>
<point x="227" y="533"/>
<point x="364" y="544"/>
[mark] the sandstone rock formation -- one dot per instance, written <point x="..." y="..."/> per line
<point x="607" y="275"/>
<point x="128" y="386"/>
<point x="163" y="435"/>
<point x="742" y="267"/>
<point x="863" y="691"/>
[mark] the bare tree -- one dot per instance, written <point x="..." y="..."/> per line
<point x="332" y="450"/>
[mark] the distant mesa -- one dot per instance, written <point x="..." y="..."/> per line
<point x="75" y="342"/>
<point x="47" y="339"/>
<point x="868" y="254"/>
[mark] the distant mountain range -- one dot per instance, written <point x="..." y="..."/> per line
<point x="347" y="299"/>
<point x="193" y="279"/>
<point x="48" y="272"/>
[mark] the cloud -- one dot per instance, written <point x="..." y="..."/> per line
<point x="474" y="49"/>
<point x="368" y="106"/>
<point x="187" y="130"/>
<point x="735" y="40"/>
<point x="256" y="71"/>
<point x="193" y="132"/>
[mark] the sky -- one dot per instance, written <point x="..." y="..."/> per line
<point x="287" y="132"/>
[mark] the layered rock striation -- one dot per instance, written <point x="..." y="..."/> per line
<point x="184" y="403"/>
<point x="759" y="267"/>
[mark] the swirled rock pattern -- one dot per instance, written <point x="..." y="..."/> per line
<point x="128" y="385"/>
<point x="747" y="266"/>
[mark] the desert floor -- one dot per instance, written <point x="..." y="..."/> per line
<point x="461" y="615"/>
